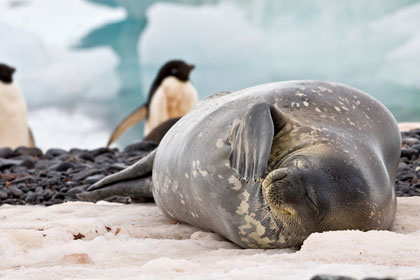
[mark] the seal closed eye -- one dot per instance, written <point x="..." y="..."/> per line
<point x="267" y="166"/>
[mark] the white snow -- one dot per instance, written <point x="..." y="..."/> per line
<point x="138" y="242"/>
<point x="56" y="128"/>
<point x="40" y="36"/>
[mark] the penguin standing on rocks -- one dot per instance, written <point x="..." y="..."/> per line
<point x="171" y="96"/>
<point x="14" y="130"/>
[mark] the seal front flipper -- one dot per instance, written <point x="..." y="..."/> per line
<point x="131" y="120"/>
<point x="133" y="181"/>
<point x="251" y="138"/>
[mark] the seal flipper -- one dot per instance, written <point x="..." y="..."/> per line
<point x="251" y="138"/>
<point x="132" y="181"/>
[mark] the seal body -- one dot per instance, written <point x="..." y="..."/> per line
<point x="14" y="131"/>
<point x="333" y="145"/>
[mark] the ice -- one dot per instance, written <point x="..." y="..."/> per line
<point x="58" y="128"/>
<point x="40" y="36"/>
<point x="139" y="242"/>
<point x="59" y="24"/>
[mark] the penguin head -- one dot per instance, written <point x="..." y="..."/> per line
<point x="6" y="73"/>
<point x="176" y="68"/>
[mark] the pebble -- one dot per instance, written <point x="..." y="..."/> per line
<point x="15" y="191"/>
<point x="6" y="152"/>
<point x="27" y="176"/>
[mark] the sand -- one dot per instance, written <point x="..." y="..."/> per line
<point x="80" y="240"/>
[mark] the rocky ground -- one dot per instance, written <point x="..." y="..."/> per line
<point x="29" y="176"/>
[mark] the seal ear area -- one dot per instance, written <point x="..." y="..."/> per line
<point x="251" y="138"/>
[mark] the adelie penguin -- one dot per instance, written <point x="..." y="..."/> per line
<point x="14" y="130"/>
<point x="171" y="96"/>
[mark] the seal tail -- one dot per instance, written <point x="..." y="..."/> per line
<point x="134" y="181"/>
<point x="131" y="120"/>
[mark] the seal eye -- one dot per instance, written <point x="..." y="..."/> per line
<point x="311" y="202"/>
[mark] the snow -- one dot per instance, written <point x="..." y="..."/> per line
<point x="40" y="40"/>
<point x="138" y="242"/>
<point x="56" y="128"/>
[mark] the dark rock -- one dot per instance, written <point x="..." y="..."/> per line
<point x="6" y="152"/>
<point x="103" y="159"/>
<point x="44" y="164"/>
<point x="93" y="179"/>
<point x="48" y="193"/>
<point x="331" y="277"/>
<point x="71" y="184"/>
<point x="26" y="151"/>
<point x="101" y="151"/>
<point x="416" y="147"/>
<point x="39" y="191"/>
<point x="85" y="173"/>
<point x="73" y="191"/>
<point x="30" y="197"/>
<point x="12" y="201"/>
<point x="144" y="146"/>
<point x="7" y="163"/>
<point x="86" y="156"/>
<point x="23" y="188"/>
<point x="404" y="187"/>
<point x="405" y="176"/>
<point x="63" y="166"/>
<point x="15" y="191"/>
<point x="77" y="152"/>
<point x="29" y="164"/>
<point x="55" y="152"/>
<point x="417" y="186"/>
<point x="3" y="194"/>
<point x="26" y="179"/>
<point x="403" y="167"/>
<point x="58" y="196"/>
<point x="20" y="170"/>
<point x="409" y="153"/>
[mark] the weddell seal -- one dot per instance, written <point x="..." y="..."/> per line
<point x="267" y="166"/>
<point x="171" y="95"/>
<point x="14" y="130"/>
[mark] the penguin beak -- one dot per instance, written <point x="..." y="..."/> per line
<point x="191" y="67"/>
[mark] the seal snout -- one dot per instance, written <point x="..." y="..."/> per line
<point x="278" y="191"/>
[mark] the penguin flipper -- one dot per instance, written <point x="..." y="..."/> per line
<point x="131" y="120"/>
<point x="31" y="138"/>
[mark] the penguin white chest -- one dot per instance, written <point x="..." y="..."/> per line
<point x="13" y="120"/>
<point x="173" y="98"/>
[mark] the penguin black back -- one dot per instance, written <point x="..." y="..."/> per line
<point x="175" y="68"/>
<point x="6" y="73"/>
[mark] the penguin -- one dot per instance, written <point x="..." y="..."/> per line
<point x="14" y="130"/>
<point x="158" y="132"/>
<point x="171" y="95"/>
